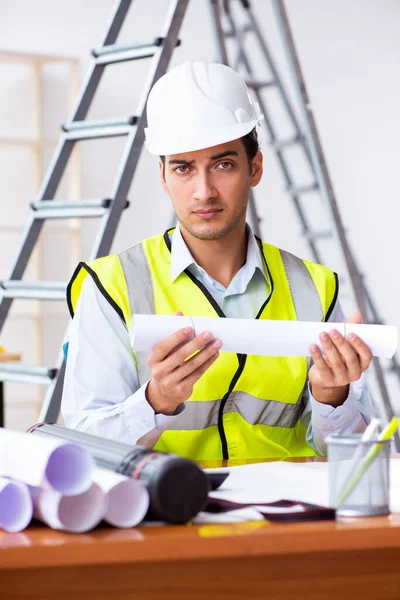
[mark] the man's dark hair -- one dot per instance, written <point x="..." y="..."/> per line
<point x="250" y="143"/>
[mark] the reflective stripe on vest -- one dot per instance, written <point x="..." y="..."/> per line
<point x="302" y="288"/>
<point x="138" y="277"/>
<point x="200" y="415"/>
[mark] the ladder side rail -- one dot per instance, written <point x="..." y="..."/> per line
<point x="387" y="405"/>
<point x="276" y="77"/>
<point x="317" y="156"/>
<point x="91" y="83"/>
<point x="375" y="318"/>
<point x="215" y="18"/>
<point x="50" y="408"/>
<point x="215" y="14"/>
<point x="135" y="140"/>
<point x="283" y="163"/>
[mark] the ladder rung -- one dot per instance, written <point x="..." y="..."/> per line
<point x="59" y="204"/>
<point x="317" y="235"/>
<point x="27" y="374"/>
<point x="34" y="290"/>
<point x="302" y="189"/>
<point x="114" y="48"/>
<point x="252" y="83"/>
<point x="119" y="53"/>
<point x="80" y="130"/>
<point x="54" y="209"/>
<point x="280" y="144"/>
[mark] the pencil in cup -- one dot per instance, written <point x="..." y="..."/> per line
<point x="359" y="471"/>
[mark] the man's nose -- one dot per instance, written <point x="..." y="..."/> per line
<point x="204" y="189"/>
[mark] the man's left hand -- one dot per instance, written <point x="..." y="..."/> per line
<point x="344" y="361"/>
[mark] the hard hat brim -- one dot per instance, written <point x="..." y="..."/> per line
<point x="195" y="140"/>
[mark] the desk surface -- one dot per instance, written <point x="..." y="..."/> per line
<point x="354" y="559"/>
<point x="42" y="547"/>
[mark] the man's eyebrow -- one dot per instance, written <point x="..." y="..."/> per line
<point x="224" y="154"/>
<point x="175" y="161"/>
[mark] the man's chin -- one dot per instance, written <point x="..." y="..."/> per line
<point x="207" y="232"/>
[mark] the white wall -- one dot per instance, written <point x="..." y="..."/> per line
<point x="349" y="51"/>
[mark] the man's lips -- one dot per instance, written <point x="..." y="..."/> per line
<point x="207" y="211"/>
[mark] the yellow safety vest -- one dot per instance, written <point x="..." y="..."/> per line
<point x="244" y="406"/>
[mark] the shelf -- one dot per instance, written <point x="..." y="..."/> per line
<point x="9" y="141"/>
<point x="22" y="57"/>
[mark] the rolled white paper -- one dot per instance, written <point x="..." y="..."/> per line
<point x="15" y="505"/>
<point x="40" y="461"/>
<point x="128" y="499"/>
<point x="257" y="336"/>
<point x="75" y="514"/>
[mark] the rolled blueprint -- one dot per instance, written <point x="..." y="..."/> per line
<point x="76" y="514"/>
<point x="127" y="499"/>
<point x="257" y="336"/>
<point x="37" y="461"/>
<point x="15" y="505"/>
<point x="177" y="487"/>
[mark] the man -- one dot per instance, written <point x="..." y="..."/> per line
<point x="188" y="396"/>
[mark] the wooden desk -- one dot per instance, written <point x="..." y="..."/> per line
<point x="308" y="561"/>
<point x="5" y="357"/>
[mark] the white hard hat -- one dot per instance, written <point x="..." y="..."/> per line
<point x="198" y="105"/>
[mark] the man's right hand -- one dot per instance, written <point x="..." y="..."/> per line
<point x="174" y="373"/>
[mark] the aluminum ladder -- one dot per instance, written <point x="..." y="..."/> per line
<point x="108" y="210"/>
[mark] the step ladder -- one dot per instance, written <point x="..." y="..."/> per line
<point x="235" y="23"/>
<point x="108" y="210"/>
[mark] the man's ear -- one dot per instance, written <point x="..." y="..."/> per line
<point x="161" y="166"/>
<point x="256" y="169"/>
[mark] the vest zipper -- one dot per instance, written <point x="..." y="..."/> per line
<point x="221" y="430"/>
<point x="241" y="357"/>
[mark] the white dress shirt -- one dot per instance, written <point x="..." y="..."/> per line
<point x="101" y="389"/>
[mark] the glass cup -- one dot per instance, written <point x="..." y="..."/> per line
<point x="355" y="489"/>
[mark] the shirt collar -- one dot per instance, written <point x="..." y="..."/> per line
<point x="181" y="257"/>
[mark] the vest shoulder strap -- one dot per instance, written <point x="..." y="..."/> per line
<point x="109" y="278"/>
<point x="314" y="288"/>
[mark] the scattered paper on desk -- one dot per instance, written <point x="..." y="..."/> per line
<point x="15" y="505"/>
<point x="262" y="483"/>
<point x="44" y="461"/>
<point x="127" y="499"/>
<point x="256" y="512"/>
<point x="301" y="482"/>
<point x="258" y="336"/>
<point x="76" y="514"/>
<point x="280" y="510"/>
